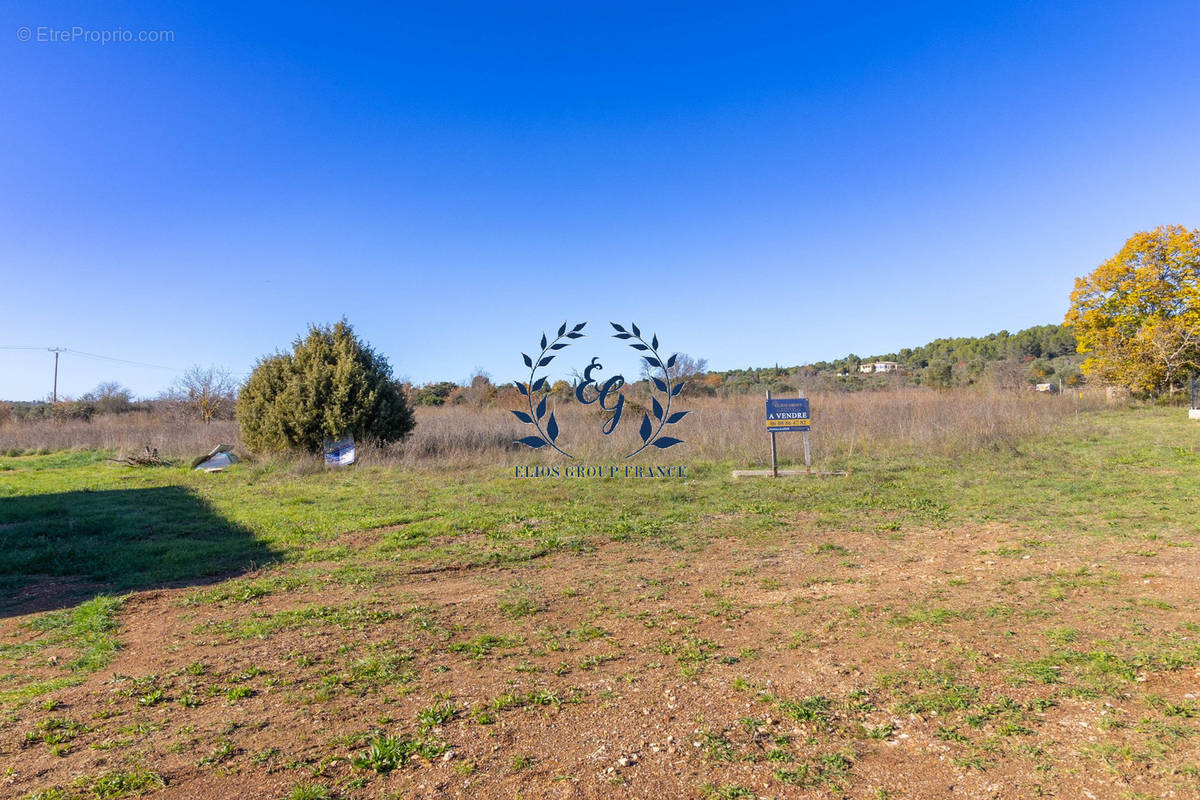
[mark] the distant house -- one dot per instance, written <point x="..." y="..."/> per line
<point x="879" y="366"/>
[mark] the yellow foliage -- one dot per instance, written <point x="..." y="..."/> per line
<point x="1138" y="315"/>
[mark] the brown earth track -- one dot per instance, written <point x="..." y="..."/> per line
<point x="746" y="599"/>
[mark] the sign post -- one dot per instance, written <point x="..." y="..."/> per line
<point x="807" y="451"/>
<point x="774" y="460"/>
<point x="788" y="414"/>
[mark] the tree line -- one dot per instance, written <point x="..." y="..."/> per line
<point x="1133" y="322"/>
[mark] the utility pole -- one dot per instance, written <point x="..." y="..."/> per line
<point x="56" y="351"/>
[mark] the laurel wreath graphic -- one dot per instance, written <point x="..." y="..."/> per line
<point x="550" y="435"/>
<point x="648" y="431"/>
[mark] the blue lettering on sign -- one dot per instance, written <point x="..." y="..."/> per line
<point x="788" y="414"/>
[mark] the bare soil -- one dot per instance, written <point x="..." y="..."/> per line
<point x="670" y="672"/>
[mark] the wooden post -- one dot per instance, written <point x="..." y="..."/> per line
<point x="54" y="395"/>
<point x="774" y="460"/>
<point x="807" y="451"/>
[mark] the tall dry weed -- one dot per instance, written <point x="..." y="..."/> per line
<point x="723" y="429"/>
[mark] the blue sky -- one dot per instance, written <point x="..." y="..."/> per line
<point x="759" y="183"/>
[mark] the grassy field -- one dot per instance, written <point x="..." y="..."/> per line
<point x="726" y="428"/>
<point x="1019" y="620"/>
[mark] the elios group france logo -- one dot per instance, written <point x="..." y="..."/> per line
<point x="607" y="396"/>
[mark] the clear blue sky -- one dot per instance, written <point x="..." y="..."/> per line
<point x="760" y="184"/>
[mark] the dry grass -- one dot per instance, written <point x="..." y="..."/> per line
<point x="729" y="429"/>
<point x="120" y="433"/>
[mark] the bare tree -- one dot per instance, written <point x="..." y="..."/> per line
<point x="110" y="398"/>
<point x="208" y="391"/>
<point x="1011" y="374"/>
<point x="685" y="367"/>
<point x="479" y="390"/>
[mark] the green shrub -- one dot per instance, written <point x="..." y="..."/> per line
<point x="331" y="384"/>
<point x="434" y="394"/>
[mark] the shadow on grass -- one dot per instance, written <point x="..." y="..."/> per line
<point x="59" y="549"/>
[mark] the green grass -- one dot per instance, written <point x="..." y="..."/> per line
<point x="77" y="515"/>
<point x="260" y="626"/>
<point x="309" y="791"/>
<point x="89" y="629"/>
<point x="435" y="715"/>
<point x="387" y="753"/>
<point x="105" y="786"/>
<point x="1120" y="481"/>
<point x="484" y="645"/>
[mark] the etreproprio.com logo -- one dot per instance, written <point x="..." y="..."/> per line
<point x="78" y="34"/>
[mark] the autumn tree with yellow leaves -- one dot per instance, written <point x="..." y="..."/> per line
<point x="1137" y="316"/>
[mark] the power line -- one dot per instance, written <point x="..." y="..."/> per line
<point x="60" y="350"/>
<point x="119" y="360"/>
<point x="92" y="355"/>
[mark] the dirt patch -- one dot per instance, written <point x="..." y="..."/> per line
<point x="961" y="663"/>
